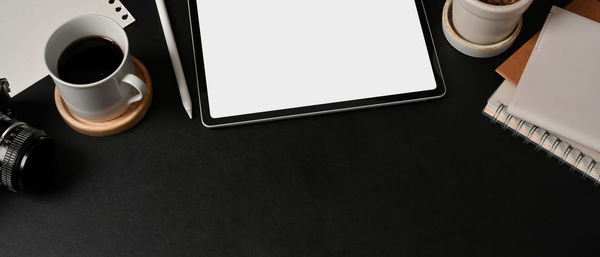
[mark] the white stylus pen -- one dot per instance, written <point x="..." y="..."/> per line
<point x="166" y="26"/>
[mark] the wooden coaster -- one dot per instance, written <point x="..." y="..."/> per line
<point x="132" y="116"/>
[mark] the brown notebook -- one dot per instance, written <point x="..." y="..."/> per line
<point x="513" y="67"/>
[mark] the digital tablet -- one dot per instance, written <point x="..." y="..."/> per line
<point x="262" y="60"/>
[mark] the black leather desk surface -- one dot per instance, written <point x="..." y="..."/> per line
<point x="426" y="179"/>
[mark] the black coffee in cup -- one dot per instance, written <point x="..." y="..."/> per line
<point x="89" y="59"/>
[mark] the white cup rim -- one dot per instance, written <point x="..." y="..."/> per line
<point x="499" y="8"/>
<point x="96" y="83"/>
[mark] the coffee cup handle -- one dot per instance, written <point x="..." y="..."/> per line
<point x="138" y="84"/>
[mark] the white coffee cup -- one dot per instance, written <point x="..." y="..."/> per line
<point x="105" y="99"/>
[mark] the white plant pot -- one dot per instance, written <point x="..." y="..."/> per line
<point x="485" y="24"/>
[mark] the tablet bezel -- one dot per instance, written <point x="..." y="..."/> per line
<point x="211" y="122"/>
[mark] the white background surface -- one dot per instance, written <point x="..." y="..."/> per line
<point x="265" y="55"/>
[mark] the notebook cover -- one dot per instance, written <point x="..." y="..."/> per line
<point x="559" y="87"/>
<point x="566" y="150"/>
<point x="513" y="67"/>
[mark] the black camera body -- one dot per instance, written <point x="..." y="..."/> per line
<point x="26" y="153"/>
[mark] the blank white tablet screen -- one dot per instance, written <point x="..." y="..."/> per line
<point x="267" y="55"/>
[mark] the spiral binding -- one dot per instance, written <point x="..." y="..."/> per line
<point x="545" y="140"/>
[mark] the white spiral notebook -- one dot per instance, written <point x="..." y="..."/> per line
<point x="576" y="155"/>
<point x="560" y="87"/>
<point x="25" y="25"/>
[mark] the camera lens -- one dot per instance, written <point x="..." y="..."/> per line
<point x="26" y="154"/>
